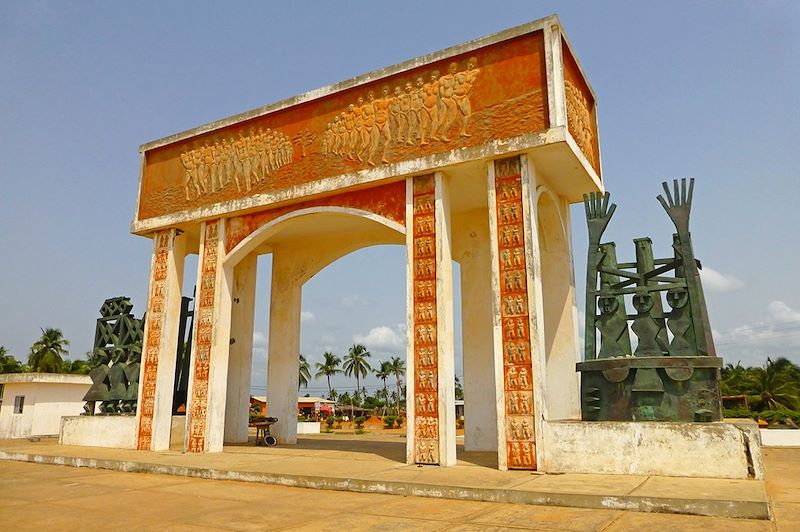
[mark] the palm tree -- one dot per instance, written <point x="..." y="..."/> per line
<point x="398" y="370"/>
<point x="47" y="353"/>
<point x="304" y="373"/>
<point x="775" y="385"/>
<point x="9" y="364"/>
<point x="384" y="373"/>
<point x="733" y="379"/>
<point x="329" y="367"/>
<point x="355" y="363"/>
<point x="76" y="367"/>
<point x="459" y="389"/>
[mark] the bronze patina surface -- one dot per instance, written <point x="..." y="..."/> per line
<point x="673" y="373"/>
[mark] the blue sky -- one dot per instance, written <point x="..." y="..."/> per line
<point x="707" y="90"/>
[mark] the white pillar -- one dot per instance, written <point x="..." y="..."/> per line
<point x="237" y="405"/>
<point x="480" y="394"/>
<point x="157" y="373"/>
<point x="561" y="343"/>
<point x="430" y="389"/>
<point x="208" y="379"/>
<point x="284" y="348"/>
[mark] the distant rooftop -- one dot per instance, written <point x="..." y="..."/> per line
<point x="50" y="378"/>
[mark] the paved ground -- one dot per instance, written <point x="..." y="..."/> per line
<point x="39" y="497"/>
<point x="66" y="498"/>
<point x="375" y="463"/>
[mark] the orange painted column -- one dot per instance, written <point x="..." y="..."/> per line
<point x="430" y="388"/>
<point x="210" y="345"/>
<point x="511" y="238"/>
<point x="157" y="372"/>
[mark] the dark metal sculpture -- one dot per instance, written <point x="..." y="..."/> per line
<point x="116" y="358"/>
<point x="673" y="374"/>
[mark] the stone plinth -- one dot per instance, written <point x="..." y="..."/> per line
<point x="704" y="450"/>
<point x="99" y="431"/>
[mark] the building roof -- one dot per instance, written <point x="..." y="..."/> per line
<point x="263" y="399"/>
<point x="314" y="400"/>
<point x="49" y="378"/>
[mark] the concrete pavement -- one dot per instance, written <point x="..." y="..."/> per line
<point x="47" y="497"/>
<point x="373" y="464"/>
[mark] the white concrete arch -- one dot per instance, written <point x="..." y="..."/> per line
<point x="544" y="193"/>
<point x="558" y="298"/>
<point x="263" y="233"/>
<point x="302" y="243"/>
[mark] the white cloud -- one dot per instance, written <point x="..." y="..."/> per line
<point x="782" y="313"/>
<point x="259" y="340"/>
<point x="382" y="338"/>
<point x="777" y="335"/>
<point x="715" y="281"/>
<point x="307" y="316"/>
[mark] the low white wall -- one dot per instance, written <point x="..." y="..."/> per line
<point x="711" y="450"/>
<point x="780" y="437"/>
<point x="118" y="432"/>
<point x="308" y="427"/>
<point x="45" y="404"/>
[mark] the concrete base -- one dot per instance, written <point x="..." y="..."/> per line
<point x="382" y="470"/>
<point x="780" y="437"/>
<point x="705" y="450"/>
<point x="99" y="431"/>
<point x="308" y="427"/>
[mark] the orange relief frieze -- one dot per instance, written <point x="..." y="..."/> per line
<point x="495" y="92"/>
<point x="581" y="117"/>
<point x="155" y="319"/>
<point x="426" y="378"/>
<point x="204" y="335"/>
<point x="517" y="368"/>
<point x="388" y="201"/>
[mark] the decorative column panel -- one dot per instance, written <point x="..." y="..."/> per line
<point x="516" y="449"/>
<point x="206" y="409"/>
<point x="430" y="401"/>
<point x="157" y="372"/>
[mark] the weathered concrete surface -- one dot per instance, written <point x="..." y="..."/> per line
<point x="64" y="498"/>
<point x="367" y="464"/>
<point x="99" y="431"/>
<point x="708" y="450"/>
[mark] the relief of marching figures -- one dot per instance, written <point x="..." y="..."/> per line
<point x="415" y="113"/>
<point x="245" y="161"/>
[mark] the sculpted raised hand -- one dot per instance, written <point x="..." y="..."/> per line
<point x="678" y="207"/>
<point x="598" y="214"/>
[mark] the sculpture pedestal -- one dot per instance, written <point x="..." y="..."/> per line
<point x="702" y="450"/>
<point x="651" y="389"/>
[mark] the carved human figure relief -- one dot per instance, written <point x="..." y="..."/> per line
<point x="579" y="121"/>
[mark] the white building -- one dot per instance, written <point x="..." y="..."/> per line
<point x="32" y="404"/>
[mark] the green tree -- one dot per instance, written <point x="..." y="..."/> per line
<point x="356" y="363"/>
<point x="47" y="353"/>
<point x="76" y="367"/>
<point x="398" y="370"/>
<point x="459" y="389"/>
<point x="383" y="373"/>
<point x="330" y="366"/>
<point x="304" y="373"/>
<point x="733" y="379"/>
<point x="775" y="385"/>
<point x="9" y="364"/>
